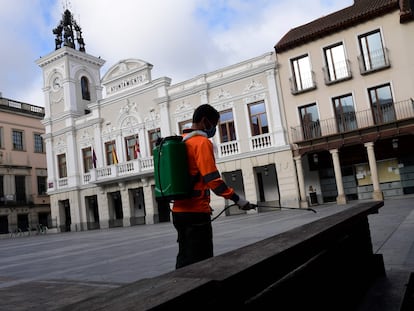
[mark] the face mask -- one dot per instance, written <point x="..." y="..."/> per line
<point x="210" y="132"/>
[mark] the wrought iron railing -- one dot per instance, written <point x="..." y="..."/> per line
<point x="374" y="61"/>
<point x="340" y="71"/>
<point x="307" y="83"/>
<point x="383" y="114"/>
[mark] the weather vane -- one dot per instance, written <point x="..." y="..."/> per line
<point x="67" y="5"/>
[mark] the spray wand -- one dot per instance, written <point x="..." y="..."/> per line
<point x="268" y="206"/>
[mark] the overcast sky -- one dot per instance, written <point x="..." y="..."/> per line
<point x="180" y="38"/>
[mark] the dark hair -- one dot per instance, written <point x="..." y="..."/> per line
<point x="205" y="111"/>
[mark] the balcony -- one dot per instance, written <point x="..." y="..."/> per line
<point x="376" y="60"/>
<point x="352" y="121"/>
<point x="341" y="71"/>
<point x="119" y="172"/>
<point x="144" y="167"/>
<point x="228" y="149"/>
<point x="260" y="142"/>
<point x="303" y="83"/>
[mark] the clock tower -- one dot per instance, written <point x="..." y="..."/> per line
<point x="71" y="87"/>
<point x="71" y="76"/>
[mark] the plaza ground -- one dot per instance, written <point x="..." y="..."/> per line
<point x="53" y="270"/>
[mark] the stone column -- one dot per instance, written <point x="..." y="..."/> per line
<point x="280" y="138"/>
<point x="103" y="208"/>
<point x="341" y="198"/>
<point x="377" y="194"/>
<point x="301" y="181"/>
<point x="126" y="206"/>
<point x="149" y="201"/>
<point x="165" y="124"/>
<point x="51" y="164"/>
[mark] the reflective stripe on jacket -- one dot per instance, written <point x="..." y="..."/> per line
<point x="202" y="166"/>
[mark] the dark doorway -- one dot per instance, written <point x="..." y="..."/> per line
<point x="20" y="184"/>
<point x="67" y="221"/>
<point x="116" y="214"/>
<point x="93" y="212"/>
<point x="4" y="224"/>
<point x="260" y="185"/>
<point x="44" y="219"/>
<point x="116" y="196"/>
<point x="138" y="206"/>
<point x="23" y="222"/>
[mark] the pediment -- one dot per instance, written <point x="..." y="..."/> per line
<point x="125" y="68"/>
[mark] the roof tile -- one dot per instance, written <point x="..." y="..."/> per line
<point x="359" y="12"/>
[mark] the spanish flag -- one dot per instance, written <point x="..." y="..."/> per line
<point x="114" y="156"/>
<point x="94" y="157"/>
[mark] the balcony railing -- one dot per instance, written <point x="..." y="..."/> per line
<point x="119" y="171"/>
<point x="229" y="148"/>
<point x="141" y="166"/>
<point x="307" y="83"/>
<point x="261" y="141"/>
<point x="350" y="121"/>
<point x="24" y="107"/>
<point x="341" y="71"/>
<point x="375" y="60"/>
<point x="63" y="182"/>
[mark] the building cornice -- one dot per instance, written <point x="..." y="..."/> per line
<point x="69" y="52"/>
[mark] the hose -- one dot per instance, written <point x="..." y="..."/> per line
<point x="269" y="206"/>
<point x="285" y="207"/>
<point x="254" y="207"/>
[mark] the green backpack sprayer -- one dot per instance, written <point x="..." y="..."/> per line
<point x="172" y="178"/>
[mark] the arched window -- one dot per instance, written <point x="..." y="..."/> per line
<point x="85" y="88"/>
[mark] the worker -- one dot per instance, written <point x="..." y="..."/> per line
<point x="192" y="216"/>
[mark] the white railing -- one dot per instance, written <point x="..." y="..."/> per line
<point x="104" y="172"/>
<point x="126" y="168"/>
<point x="63" y="182"/>
<point x="86" y="178"/>
<point x="229" y="148"/>
<point x="261" y="141"/>
<point x="146" y="163"/>
<point x="119" y="170"/>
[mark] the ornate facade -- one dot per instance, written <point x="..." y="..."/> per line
<point x="99" y="148"/>
<point x="341" y="131"/>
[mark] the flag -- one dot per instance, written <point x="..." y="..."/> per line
<point x="136" y="149"/>
<point x="93" y="157"/>
<point x="114" y="156"/>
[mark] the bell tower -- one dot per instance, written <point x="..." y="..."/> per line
<point x="71" y="88"/>
<point x="71" y="77"/>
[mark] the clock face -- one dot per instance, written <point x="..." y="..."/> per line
<point x="56" y="84"/>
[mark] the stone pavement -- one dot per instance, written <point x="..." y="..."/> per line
<point x="53" y="270"/>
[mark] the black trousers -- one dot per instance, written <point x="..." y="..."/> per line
<point x="194" y="237"/>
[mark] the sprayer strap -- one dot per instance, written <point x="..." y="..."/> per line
<point x="194" y="133"/>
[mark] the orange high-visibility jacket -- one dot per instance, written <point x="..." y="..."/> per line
<point x="202" y="167"/>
